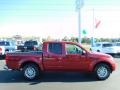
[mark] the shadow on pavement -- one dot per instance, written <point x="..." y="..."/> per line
<point x="17" y="77"/>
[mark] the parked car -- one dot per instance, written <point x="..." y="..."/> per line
<point x="61" y="56"/>
<point x="7" y="46"/>
<point x="117" y="44"/>
<point x="106" y="47"/>
<point x="29" y="46"/>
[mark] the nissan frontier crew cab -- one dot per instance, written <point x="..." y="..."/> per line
<point x="61" y="56"/>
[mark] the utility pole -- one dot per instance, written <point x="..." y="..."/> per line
<point x="92" y="38"/>
<point x="79" y="5"/>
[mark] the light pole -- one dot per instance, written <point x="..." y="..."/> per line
<point x="79" y="5"/>
<point x="92" y="38"/>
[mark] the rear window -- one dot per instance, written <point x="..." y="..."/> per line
<point x="4" y="43"/>
<point x="107" y="45"/>
<point x="55" y="48"/>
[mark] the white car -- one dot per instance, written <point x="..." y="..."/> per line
<point x="117" y="44"/>
<point x="106" y="47"/>
<point x="7" y="46"/>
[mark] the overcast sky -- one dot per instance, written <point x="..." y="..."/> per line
<point x="58" y="18"/>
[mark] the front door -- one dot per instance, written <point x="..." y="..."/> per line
<point x="75" y="59"/>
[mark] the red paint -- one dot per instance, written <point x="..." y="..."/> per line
<point x="0" y="49"/>
<point x="63" y="62"/>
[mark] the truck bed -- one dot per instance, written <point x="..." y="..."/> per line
<point x="15" y="59"/>
<point x="25" y="53"/>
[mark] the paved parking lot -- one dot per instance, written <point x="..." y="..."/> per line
<point x="58" y="81"/>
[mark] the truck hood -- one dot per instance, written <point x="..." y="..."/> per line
<point x="98" y="55"/>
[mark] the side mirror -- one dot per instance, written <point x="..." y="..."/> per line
<point x="83" y="52"/>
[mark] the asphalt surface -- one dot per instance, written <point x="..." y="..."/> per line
<point x="13" y="80"/>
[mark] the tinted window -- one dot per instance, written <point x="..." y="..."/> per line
<point x="30" y="43"/>
<point x="107" y="45"/>
<point x="118" y="44"/>
<point x="97" y="45"/>
<point x="73" y="49"/>
<point x="55" y="48"/>
<point x="4" y="43"/>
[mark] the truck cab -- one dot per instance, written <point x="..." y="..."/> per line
<point x="66" y="56"/>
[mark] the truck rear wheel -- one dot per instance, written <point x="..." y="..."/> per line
<point x="102" y="71"/>
<point x="31" y="71"/>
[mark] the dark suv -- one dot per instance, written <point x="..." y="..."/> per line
<point x="29" y="46"/>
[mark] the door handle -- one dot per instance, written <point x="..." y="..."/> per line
<point x="48" y="56"/>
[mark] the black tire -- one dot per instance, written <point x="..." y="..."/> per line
<point x="98" y="50"/>
<point x="102" y="71"/>
<point x="31" y="71"/>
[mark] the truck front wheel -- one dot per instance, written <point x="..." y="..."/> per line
<point x="102" y="71"/>
<point x="30" y="71"/>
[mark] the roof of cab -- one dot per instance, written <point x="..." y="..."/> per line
<point x="60" y="42"/>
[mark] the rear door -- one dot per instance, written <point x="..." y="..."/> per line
<point x="52" y="59"/>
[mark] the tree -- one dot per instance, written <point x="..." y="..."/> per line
<point x="74" y="39"/>
<point x="65" y="38"/>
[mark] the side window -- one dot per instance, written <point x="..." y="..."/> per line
<point x="55" y="48"/>
<point x="97" y="45"/>
<point x="7" y="43"/>
<point x="107" y="45"/>
<point x="73" y="49"/>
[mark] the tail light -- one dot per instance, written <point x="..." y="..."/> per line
<point x="34" y="48"/>
<point x="0" y="49"/>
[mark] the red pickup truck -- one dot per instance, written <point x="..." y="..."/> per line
<point x="61" y="56"/>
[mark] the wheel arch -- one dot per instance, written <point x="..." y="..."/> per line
<point x="29" y="62"/>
